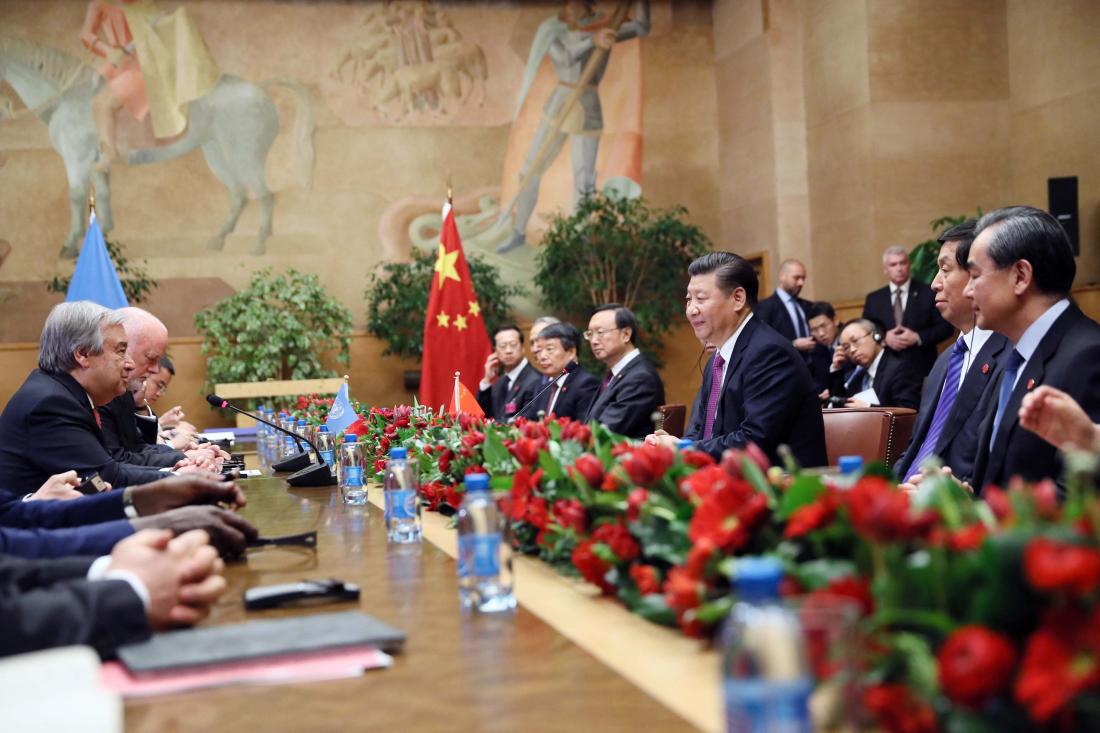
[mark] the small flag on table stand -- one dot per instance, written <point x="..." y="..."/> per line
<point x="342" y="414"/>
<point x="464" y="400"/>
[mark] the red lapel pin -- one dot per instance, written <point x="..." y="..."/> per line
<point x="985" y="368"/>
<point x="1031" y="384"/>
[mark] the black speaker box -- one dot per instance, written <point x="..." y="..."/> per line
<point x="1062" y="199"/>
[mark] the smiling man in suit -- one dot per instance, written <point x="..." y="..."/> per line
<point x="510" y="382"/>
<point x="907" y="309"/>
<point x="631" y="391"/>
<point x="572" y="393"/>
<point x="952" y="405"/>
<point x="756" y="387"/>
<point x="1021" y="271"/>
<point x="894" y="382"/>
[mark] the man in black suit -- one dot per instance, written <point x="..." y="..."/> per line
<point x="951" y="407"/>
<point x="784" y="311"/>
<point x="825" y="330"/>
<point x="149" y="581"/>
<point x="1021" y="272"/>
<point x="509" y="382"/>
<point x="894" y="382"/>
<point x="756" y="388"/>
<point x="632" y="390"/>
<point x="906" y="308"/>
<point x="572" y="393"/>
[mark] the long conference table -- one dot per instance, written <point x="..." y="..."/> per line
<point x="459" y="671"/>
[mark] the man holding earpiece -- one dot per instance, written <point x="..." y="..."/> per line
<point x="880" y="377"/>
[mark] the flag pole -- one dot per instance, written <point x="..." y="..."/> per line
<point x="91" y="198"/>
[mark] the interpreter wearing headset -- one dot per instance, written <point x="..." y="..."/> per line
<point x="895" y="383"/>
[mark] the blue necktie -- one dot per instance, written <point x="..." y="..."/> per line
<point x="1008" y="381"/>
<point x="797" y="317"/>
<point x="943" y="408"/>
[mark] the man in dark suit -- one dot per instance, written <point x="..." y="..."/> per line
<point x="149" y="581"/>
<point x="894" y="382"/>
<point x="756" y="388"/>
<point x="1021" y="272"/>
<point x="509" y="382"/>
<point x="825" y="330"/>
<point x="784" y="311"/>
<point x="632" y="390"/>
<point x="947" y="426"/>
<point x="906" y="308"/>
<point x="571" y="393"/>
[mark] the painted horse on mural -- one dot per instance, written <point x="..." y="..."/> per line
<point x="234" y="124"/>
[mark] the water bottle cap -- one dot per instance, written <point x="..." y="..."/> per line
<point x="302" y="423"/>
<point x="323" y="429"/>
<point x="399" y="452"/>
<point x="685" y="443"/>
<point x="850" y="464"/>
<point x="757" y="578"/>
<point x="351" y="438"/>
<point x="477" y="482"/>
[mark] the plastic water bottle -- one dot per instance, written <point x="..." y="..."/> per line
<point x="274" y="442"/>
<point x="685" y="444"/>
<point x="352" y="487"/>
<point x="484" y="555"/>
<point x="289" y="444"/>
<point x="325" y="445"/>
<point x="767" y="677"/>
<point x="850" y="470"/>
<point x="303" y="430"/>
<point x="402" y="501"/>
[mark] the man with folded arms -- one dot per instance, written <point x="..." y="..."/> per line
<point x="150" y="581"/>
<point x="632" y="390"/>
<point x="947" y="426"/>
<point x="756" y="388"/>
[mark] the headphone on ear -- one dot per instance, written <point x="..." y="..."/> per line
<point x="876" y="336"/>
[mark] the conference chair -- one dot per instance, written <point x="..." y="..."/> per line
<point x="672" y="418"/>
<point x="875" y="433"/>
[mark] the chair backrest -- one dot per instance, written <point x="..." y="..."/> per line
<point x="875" y="433"/>
<point x="281" y="388"/>
<point x="672" y="419"/>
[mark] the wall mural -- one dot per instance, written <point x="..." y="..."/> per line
<point x="344" y="115"/>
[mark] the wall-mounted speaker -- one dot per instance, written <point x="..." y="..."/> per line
<point x="1062" y="200"/>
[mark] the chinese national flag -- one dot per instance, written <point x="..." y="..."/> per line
<point x="455" y="339"/>
<point x="464" y="401"/>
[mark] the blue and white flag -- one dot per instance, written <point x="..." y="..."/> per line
<point x="342" y="413"/>
<point x="95" y="278"/>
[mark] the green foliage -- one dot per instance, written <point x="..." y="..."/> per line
<point x="922" y="258"/>
<point x="276" y="328"/>
<point x="617" y="250"/>
<point x="135" y="279"/>
<point x="397" y="299"/>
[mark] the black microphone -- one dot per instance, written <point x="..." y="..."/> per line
<point x="305" y="473"/>
<point x="568" y="369"/>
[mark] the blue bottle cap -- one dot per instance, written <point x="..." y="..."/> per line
<point x="323" y="429"/>
<point x="477" y="482"/>
<point x="685" y="443"/>
<point x="351" y="438"/>
<point x="302" y="423"/>
<point x="850" y="464"/>
<point x="757" y="578"/>
<point x="399" y="452"/>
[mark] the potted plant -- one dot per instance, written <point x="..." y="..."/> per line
<point x="279" y="327"/>
<point x="620" y="250"/>
<point x="397" y="299"/>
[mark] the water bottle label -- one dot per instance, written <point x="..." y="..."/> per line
<point x="479" y="555"/>
<point x="760" y="706"/>
<point x="400" y="504"/>
<point x="326" y="456"/>
<point x="354" y="476"/>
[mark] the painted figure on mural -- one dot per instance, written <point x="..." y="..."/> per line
<point x="155" y="64"/>
<point x="572" y="112"/>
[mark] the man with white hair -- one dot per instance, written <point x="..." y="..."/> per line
<point x="906" y="310"/>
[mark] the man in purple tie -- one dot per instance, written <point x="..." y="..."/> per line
<point x="756" y="388"/>
<point x="947" y="426"/>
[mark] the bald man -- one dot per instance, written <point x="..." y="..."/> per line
<point x="147" y="340"/>
<point x="784" y="311"/>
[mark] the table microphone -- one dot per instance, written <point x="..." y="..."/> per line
<point x="305" y="473"/>
<point x="568" y="369"/>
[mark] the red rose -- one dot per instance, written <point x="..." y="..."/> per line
<point x="707" y="481"/>
<point x="469" y="422"/>
<point x="453" y="496"/>
<point x="646" y="463"/>
<point x="591" y="567"/>
<point x="812" y="516"/>
<point x="618" y="538"/>
<point x="379" y="465"/>
<point x="996" y="499"/>
<point x="848" y="587"/>
<point x="591" y="468"/>
<point x="526" y="450"/>
<point x="682" y="591"/>
<point x="882" y="513"/>
<point x="700" y="554"/>
<point x="538" y="515"/>
<point x="1059" y="566"/>
<point x="635" y="500"/>
<point x="432" y="492"/>
<point x="697" y="458"/>
<point x="474" y="469"/>
<point x="960" y="540"/>
<point x="610" y="482"/>
<point x="646" y="578"/>
<point x="472" y="439"/>
<point x="728" y="516"/>
<point x="1061" y="660"/>
<point x="521" y="493"/>
<point x="571" y="514"/>
<point x="975" y="663"/>
<point x="576" y="431"/>
<point x="898" y="710"/>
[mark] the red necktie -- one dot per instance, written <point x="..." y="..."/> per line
<point x="98" y="422"/>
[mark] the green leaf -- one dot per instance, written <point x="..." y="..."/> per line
<point x="805" y="490"/>
<point x="920" y="663"/>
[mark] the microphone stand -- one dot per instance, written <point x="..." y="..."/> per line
<point x="305" y="473"/>
<point x="568" y="369"/>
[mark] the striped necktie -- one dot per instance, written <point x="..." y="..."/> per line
<point x="943" y="407"/>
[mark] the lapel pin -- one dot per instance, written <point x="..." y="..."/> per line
<point x="985" y="368"/>
<point x="1031" y="384"/>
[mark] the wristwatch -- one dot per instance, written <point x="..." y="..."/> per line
<point x="128" y="503"/>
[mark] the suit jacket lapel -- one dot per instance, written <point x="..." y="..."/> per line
<point x="739" y="349"/>
<point x="974" y="384"/>
<point x="910" y="303"/>
<point x="602" y="397"/>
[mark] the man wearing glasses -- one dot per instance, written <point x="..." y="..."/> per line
<point x="880" y="376"/>
<point x="631" y="391"/>
<point x="572" y="393"/>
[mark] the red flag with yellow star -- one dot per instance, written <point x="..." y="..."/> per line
<point x="455" y="339"/>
